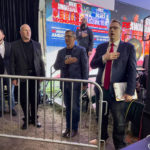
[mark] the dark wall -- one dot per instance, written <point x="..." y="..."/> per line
<point x="14" y="13"/>
<point x="127" y="12"/>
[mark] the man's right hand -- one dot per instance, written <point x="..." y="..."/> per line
<point x="15" y="82"/>
<point x="84" y="34"/>
<point x="111" y="56"/>
<point x="71" y="60"/>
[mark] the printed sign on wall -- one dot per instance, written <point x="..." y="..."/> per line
<point x="62" y="16"/>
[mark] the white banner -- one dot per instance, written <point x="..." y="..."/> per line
<point x="107" y="4"/>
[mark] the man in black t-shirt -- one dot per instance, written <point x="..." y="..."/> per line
<point x="73" y="63"/>
<point x="26" y="60"/>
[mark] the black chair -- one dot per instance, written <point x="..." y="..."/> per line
<point x="145" y="73"/>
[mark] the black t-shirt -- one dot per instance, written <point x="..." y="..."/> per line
<point x="28" y="49"/>
<point x="68" y="54"/>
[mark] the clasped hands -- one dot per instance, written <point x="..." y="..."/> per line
<point x="111" y="56"/>
<point x="71" y="60"/>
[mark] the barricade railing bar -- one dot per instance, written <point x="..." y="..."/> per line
<point x="53" y="122"/>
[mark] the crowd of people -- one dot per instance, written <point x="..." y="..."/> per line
<point x="115" y="60"/>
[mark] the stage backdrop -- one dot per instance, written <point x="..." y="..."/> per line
<point x="62" y="15"/>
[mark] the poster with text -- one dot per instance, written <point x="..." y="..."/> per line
<point x="64" y="15"/>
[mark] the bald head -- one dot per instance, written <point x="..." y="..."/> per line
<point x="84" y="20"/>
<point x="83" y="23"/>
<point x="25" y="32"/>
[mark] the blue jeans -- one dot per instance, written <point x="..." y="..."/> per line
<point x="6" y="82"/>
<point x="75" y="107"/>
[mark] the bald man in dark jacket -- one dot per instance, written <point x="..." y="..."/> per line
<point x="26" y="60"/>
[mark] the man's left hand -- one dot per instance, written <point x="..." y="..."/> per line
<point x="128" y="98"/>
<point x="84" y="34"/>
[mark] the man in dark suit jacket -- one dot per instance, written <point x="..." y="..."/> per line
<point x="1" y="65"/>
<point x="72" y="61"/>
<point x="146" y="112"/>
<point x="116" y="61"/>
<point x="26" y="60"/>
<point x="5" y="48"/>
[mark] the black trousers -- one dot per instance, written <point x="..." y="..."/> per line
<point x="31" y="101"/>
<point x="118" y="110"/>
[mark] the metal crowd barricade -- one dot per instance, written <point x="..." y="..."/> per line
<point x="52" y="128"/>
<point x="52" y="94"/>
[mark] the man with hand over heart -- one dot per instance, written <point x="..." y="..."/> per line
<point x="73" y="63"/>
<point x="116" y="61"/>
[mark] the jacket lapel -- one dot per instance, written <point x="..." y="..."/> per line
<point x="73" y="50"/>
<point x="118" y="50"/>
<point x="34" y="49"/>
<point x="119" y="47"/>
<point x="35" y="53"/>
<point x="106" y="47"/>
<point x="64" y="53"/>
<point x="6" y="50"/>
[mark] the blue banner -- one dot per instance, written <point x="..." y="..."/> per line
<point x="55" y="33"/>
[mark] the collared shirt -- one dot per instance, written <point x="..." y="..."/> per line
<point x="116" y="44"/>
<point x="2" y="49"/>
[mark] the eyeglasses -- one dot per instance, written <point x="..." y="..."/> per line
<point x="115" y="28"/>
<point x="68" y="36"/>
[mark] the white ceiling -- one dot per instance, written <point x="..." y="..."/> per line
<point x="140" y="3"/>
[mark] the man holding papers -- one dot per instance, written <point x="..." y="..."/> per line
<point x="116" y="61"/>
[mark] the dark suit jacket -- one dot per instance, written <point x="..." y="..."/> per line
<point x="1" y="65"/>
<point x="78" y="70"/>
<point x="7" y="56"/>
<point x="18" y="65"/>
<point x="147" y="103"/>
<point x="4" y="62"/>
<point x="123" y="69"/>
